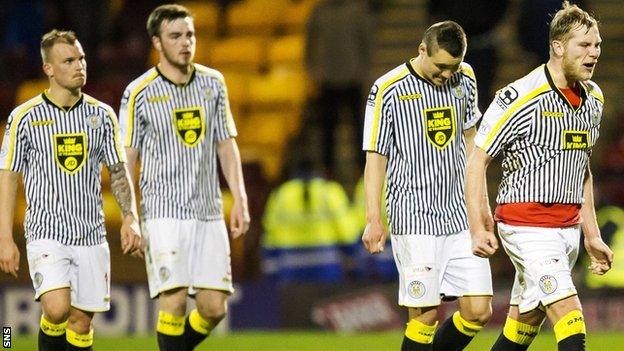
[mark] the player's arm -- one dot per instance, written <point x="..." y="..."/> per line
<point x="9" y="253"/>
<point x="484" y="243"/>
<point x="121" y="185"/>
<point x="599" y="253"/>
<point x="230" y="160"/>
<point x="469" y="135"/>
<point x="374" y="237"/>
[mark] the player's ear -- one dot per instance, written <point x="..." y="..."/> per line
<point x="156" y="42"/>
<point x="422" y="49"/>
<point x="47" y="69"/>
<point x="557" y="47"/>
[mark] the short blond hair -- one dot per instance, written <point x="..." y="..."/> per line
<point x="53" y="37"/>
<point x="568" y="18"/>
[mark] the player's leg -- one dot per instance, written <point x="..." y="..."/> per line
<point x="211" y="287"/>
<point x="167" y="264"/>
<point x="211" y="307"/>
<point x="568" y="323"/>
<point x="419" y="287"/>
<point x="468" y="277"/>
<point x="520" y="330"/>
<point x="170" y="324"/>
<point x="55" y="305"/>
<point x="79" y="331"/>
<point x="90" y="293"/>
<point x="49" y="267"/>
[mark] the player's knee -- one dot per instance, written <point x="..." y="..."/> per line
<point x="56" y="314"/>
<point x="79" y="323"/>
<point x="212" y="310"/>
<point x="478" y="315"/>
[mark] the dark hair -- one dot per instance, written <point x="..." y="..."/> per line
<point x="55" y="36"/>
<point x="447" y="35"/>
<point x="162" y="13"/>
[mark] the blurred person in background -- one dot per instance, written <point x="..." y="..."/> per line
<point x="546" y="125"/>
<point x="419" y="127"/>
<point x="176" y="117"/>
<point x="68" y="256"/>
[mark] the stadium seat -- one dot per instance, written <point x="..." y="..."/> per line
<point x="269" y="130"/>
<point x="257" y="17"/>
<point x="243" y="54"/>
<point x="287" y="51"/>
<point x="29" y="89"/>
<point x="295" y="16"/>
<point x="279" y="90"/>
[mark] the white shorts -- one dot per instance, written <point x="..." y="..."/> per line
<point x="434" y="266"/>
<point x="84" y="269"/>
<point x="187" y="253"/>
<point x="543" y="258"/>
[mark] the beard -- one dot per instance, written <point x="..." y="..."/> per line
<point x="177" y="61"/>
<point x="574" y="71"/>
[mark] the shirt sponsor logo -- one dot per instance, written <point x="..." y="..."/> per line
<point x="575" y="140"/>
<point x="440" y="125"/>
<point x="70" y="151"/>
<point x="506" y="97"/>
<point x="190" y="125"/>
<point x="370" y="100"/>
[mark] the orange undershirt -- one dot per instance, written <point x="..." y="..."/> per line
<point x="535" y="214"/>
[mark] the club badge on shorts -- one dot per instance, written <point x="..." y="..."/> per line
<point x="70" y="151"/>
<point x="440" y="125"/>
<point x="164" y="274"/>
<point x="416" y="289"/>
<point x="189" y="124"/>
<point x="548" y="284"/>
<point x="38" y="280"/>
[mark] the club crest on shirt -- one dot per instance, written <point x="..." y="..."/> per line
<point x="440" y="125"/>
<point x="70" y="151"/>
<point x="416" y="289"/>
<point x="548" y="284"/>
<point x="94" y="121"/>
<point x="190" y="125"/>
<point x="595" y="116"/>
<point x="209" y="94"/>
<point x="458" y="91"/>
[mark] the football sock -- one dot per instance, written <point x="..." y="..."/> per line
<point x="418" y="336"/>
<point x="196" y="329"/>
<point x="169" y="332"/>
<point x="51" y="336"/>
<point x="570" y="332"/>
<point x="516" y="336"/>
<point x="79" y="342"/>
<point x="455" y="334"/>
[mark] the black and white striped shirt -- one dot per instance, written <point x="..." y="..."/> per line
<point x="419" y="127"/>
<point x="546" y="143"/>
<point x="176" y="129"/>
<point x="60" y="151"/>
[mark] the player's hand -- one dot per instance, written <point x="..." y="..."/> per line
<point x="374" y="237"/>
<point x="600" y="255"/>
<point x="484" y="243"/>
<point x="9" y="256"/>
<point x="239" y="219"/>
<point x="131" y="240"/>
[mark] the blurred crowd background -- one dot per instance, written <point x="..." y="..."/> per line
<point x="298" y="72"/>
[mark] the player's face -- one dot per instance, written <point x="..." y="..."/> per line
<point x="440" y="66"/>
<point x="67" y="65"/>
<point x="581" y="53"/>
<point x="177" y="41"/>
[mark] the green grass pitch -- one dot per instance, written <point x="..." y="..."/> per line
<point x="315" y="341"/>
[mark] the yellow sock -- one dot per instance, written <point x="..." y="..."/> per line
<point x="199" y="324"/>
<point x="169" y="324"/>
<point x="79" y="340"/>
<point x="572" y="323"/>
<point x="465" y="327"/>
<point x="519" y="332"/>
<point x="420" y="332"/>
<point x="52" y="329"/>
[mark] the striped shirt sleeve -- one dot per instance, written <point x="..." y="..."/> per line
<point x="377" y="121"/>
<point x="112" y="152"/>
<point x="225" y="127"/>
<point x="473" y="114"/>
<point x="15" y="144"/>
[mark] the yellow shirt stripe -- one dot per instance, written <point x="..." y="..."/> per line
<point x="132" y="100"/>
<point x="13" y="132"/>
